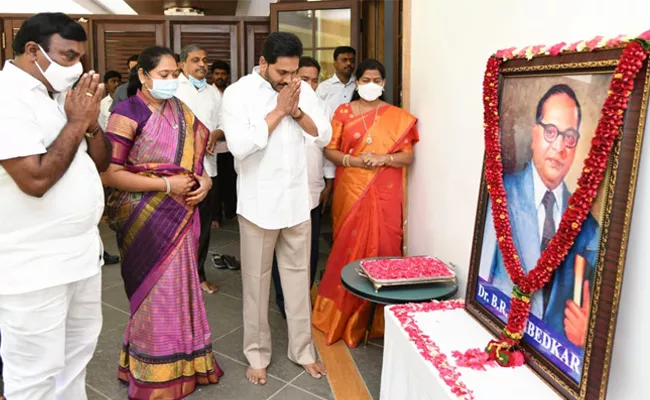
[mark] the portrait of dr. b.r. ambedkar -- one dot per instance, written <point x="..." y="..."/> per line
<point x="537" y="197"/>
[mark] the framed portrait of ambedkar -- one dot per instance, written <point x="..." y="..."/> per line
<point x="563" y="139"/>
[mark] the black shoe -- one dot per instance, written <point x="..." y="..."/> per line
<point x="231" y="262"/>
<point x="218" y="261"/>
<point x="110" y="259"/>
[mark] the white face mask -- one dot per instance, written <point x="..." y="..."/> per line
<point x="370" y="91"/>
<point x="60" y="78"/>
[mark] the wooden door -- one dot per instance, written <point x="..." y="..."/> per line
<point x="115" y="42"/>
<point x="255" y="36"/>
<point x="11" y="26"/>
<point x="219" y="40"/>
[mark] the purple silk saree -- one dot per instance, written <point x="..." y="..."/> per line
<point x="167" y="345"/>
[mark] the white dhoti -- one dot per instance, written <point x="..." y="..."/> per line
<point x="48" y="338"/>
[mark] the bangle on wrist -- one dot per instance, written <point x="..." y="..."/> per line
<point x="168" y="187"/>
<point x="346" y="161"/>
<point x="390" y="162"/>
<point x="300" y="115"/>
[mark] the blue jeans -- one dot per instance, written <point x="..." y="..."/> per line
<point x="315" y="238"/>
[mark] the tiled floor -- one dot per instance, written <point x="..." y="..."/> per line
<point x="286" y="380"/>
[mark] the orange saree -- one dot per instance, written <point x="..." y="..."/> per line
<point x="366" y="213"/>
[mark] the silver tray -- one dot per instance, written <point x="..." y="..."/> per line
<point x="379" y="283"/>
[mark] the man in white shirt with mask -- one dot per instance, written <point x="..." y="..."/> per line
<point x="203" y="100"/>
<point x="320" y="174"/>
<point x="51" y="152"/>
<point x="265" y="114"/>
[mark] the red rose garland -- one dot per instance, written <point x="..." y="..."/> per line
<point x="580" y="202"/>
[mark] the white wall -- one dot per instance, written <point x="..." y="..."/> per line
<point x="451" y="42"/>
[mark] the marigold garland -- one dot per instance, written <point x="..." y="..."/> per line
<point x="505" y="351"/>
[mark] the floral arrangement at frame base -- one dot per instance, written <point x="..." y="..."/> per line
<point x="505" y="350"/>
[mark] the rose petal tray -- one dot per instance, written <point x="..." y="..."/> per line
<point x="434" y="271"/>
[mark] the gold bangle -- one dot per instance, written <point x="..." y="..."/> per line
<point x="346" y="160"/>
<point x="391" y="160"/>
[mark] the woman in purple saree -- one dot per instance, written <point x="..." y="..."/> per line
<point x="157" y="171"/>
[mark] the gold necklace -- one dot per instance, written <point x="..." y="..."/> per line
<point x="161" y="112"/>
<point x="363" y="119"/>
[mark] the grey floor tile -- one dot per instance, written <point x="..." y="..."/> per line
<point x="231" y="248"/>
<point x="224" y="313"/>
<point x="116" y="297"/>
<point x="293" y="393"/>
<point x="113" y="318"/>
<point x="281" y="367"/>
<point x="102" y="370"/>
<point x="369" y="360"/>
<point x="112" y="276"/>
<point x="234" y="385"/>
<point x="94" y="394"/>
<point x="218" y="276"/>
<point x="222" y="237"/>
<point x="319" y="387"/>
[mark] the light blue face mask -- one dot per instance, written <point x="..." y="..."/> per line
<point x="163" y="89"/>
<point x="199" y="84"/>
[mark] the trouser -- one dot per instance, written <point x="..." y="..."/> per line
<point x="205" y="214"/>
<point x="226" y="195"/>
<point x="48" y="338"/>
<point x="313" y="258"/>
<point x="292" y="248"/>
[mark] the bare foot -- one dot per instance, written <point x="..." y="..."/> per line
<point x="256" y="376"/>
<point x="316" y="370"/>
<point x="209" y="287"/>
<point x="216" y="225"/>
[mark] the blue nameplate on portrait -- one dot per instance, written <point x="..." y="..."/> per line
<point x="551" y="344"/>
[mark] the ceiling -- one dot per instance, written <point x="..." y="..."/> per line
<point x="209" y="7"/>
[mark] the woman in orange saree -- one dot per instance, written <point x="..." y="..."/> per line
<point x="372" y="144"/>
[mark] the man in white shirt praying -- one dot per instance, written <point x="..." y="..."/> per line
<point x="320" y="174"/>
<point x="339" y="88"/>
<point x="265" y="114"/>
<point x="203" y="100"/>
<point x="51" y="152"/>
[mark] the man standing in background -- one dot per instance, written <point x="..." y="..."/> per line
<point x="120" y="92"/>
<point x="204" y="101"/>
<point x="320" y="176"/>
<point x="339" y="88"/>
<point x="226" y="183"/>
<point x="51" y="152"/>
<point x="112" y="79"/>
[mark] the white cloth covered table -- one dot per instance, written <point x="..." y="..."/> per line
<point x="406" y="375"/>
